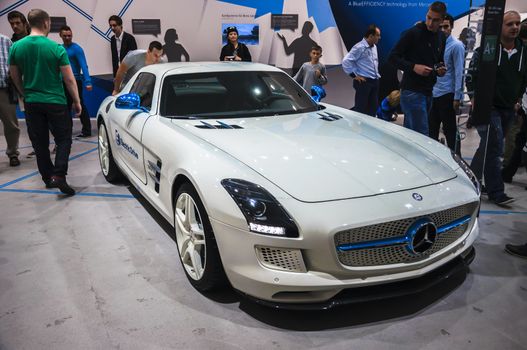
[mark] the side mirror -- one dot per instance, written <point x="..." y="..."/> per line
<point x="317" y="93"/>
<point x="128" y="101"/>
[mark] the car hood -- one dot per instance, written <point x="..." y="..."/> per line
<point x="314" y="160"/>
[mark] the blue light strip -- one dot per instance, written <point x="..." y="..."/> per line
<point x="400" y="240"/>
<point x="453" y="224"/>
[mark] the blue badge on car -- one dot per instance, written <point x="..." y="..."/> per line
<point x="120" y="142"/>
<point x="417" y="196"/>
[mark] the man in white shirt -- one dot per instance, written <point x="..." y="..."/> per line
<point x="362" y="64"/>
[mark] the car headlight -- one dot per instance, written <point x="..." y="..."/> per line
<point x="262" y="211"/>
<point x="466" y="168"/>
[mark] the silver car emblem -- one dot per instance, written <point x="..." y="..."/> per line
<point x="417" y="196"/>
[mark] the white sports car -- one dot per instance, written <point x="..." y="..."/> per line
<point x="289" y="200"/>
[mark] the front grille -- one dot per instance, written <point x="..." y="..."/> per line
<point x="396" y="254"/>
<point x="281" y="259"/>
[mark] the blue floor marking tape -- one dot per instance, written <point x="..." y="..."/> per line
<point x="502" y="212"/>
<point x="83" y="194"/>
<point x="19" y="179"/>
<point x="87" y="141"/>
<point x="36" y="172"/>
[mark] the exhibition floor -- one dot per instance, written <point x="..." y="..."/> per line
<point x="100" y="271"/>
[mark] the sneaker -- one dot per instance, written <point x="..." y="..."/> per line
<point x="503" y="200"/>
<point x="31" y="154"/>
<point x="14" y="161"/>
<point x="60" y="183"/>
<point x="517" y="250"/>
<point x="82" y="135"/>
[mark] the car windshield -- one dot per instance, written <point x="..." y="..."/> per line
<point x="238" y="94"/>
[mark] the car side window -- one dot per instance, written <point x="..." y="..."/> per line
<point x="144" y="87"/>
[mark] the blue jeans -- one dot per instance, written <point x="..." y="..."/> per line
<point x="416" y="108"/>
<point x="500" y="120"/>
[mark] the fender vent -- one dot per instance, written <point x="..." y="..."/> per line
<point x="108" y="106"/>
<point x="155" y="173"/>
<point x="220" y="125"/>
<point x="330" y="117"/>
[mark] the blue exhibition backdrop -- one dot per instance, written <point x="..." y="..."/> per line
<point x="392" y="17"/>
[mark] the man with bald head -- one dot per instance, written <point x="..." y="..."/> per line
<point x="511" y="81"/>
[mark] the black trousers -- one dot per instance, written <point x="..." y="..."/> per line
<point x="366" y="96"/>
<point x="84" y="117"/>
<point x="443" y="113"/>
<point x="41" y="118"/>
<point x="515" y="160"/>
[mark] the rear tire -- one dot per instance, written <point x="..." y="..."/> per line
<point x="108" y="167"/>
<point x="196" y="243"/>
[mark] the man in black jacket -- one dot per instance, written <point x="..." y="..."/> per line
<point x="121" y="42"/>
<point x="511" y="80"/>
<point x="419" y="54"/>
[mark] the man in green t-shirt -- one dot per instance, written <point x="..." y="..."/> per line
<point x="38" y="67"/>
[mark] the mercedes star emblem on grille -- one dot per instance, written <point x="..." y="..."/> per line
<point x="423" y="234"/>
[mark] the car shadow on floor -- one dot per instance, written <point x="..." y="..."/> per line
<point x="353" y="314"/>
<point x="314" y="320"/>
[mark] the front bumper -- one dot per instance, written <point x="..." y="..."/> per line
<point x="247" y="274"/>
<point x="453" y="268"/>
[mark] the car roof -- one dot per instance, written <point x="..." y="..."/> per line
<point x="203" y="67"/>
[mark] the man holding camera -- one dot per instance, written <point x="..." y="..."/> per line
<point x="419" y="54"/>
<point x="448" y="91"/>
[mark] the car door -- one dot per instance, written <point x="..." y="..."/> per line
<point x="128" y="126"/>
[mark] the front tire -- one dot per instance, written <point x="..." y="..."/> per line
<point x="108" y="167"/>
<point x="196" y="243"/>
